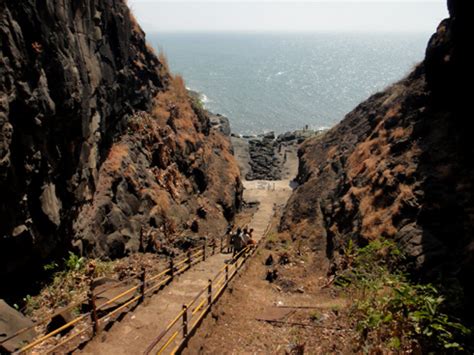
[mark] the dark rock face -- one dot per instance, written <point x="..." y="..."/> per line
<point x="73" y="75"/>
<point x="70" y="75"/>
<point x="264" y="162"/>
<point x="400" y="166"/>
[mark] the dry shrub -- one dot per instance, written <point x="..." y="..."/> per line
<point x="363" y="152"/>
<point x="392" y="111"/>
<point x="332" y="152"/>
<point x="378" y="223"/>
<point x="117" y="154"/>
<point x="400" y="132"/>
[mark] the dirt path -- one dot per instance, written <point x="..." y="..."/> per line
<point x="136" y="331"/>
<point x="139" y="328"/>
<point x="269" y="195"/>
<point x="294" y="313"/>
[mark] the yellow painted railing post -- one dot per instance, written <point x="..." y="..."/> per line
<point x="171" y="267"/>
<point x="185" y="321"/>
<point x="189" y="259"/>
<point x="142" y="284"/>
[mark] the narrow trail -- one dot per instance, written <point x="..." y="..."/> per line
<point x="140" y="327"/>
<point x="268" y="194"/>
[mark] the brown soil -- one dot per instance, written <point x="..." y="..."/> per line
<point x="293" y="313"/>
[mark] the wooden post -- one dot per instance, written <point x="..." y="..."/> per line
<point x="92" y="304"/>
<point x="185" y="321"/>
<point x="204" y="252"/>
<point x="171" y="267"/>
<point x="209" y="294"/>
<point x="142" y="284"/>
<point x="189" y="259"/>
<point x="226" y="273"/>
<point x="222" y="244"/>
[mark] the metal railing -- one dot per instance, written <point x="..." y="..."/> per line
<point x="193" y="312"/>
<point x="146" y="285"/>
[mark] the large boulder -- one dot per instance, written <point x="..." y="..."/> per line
<point x="11" y="321"/>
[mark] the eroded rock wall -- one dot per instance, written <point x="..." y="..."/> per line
<point x="78" y="162"/>
<point x="400" y="166"/>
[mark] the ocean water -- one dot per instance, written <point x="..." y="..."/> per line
<point x="281" y="82"/>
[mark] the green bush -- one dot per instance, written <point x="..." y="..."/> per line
<point x="390" y="310"/>
<point x="50" y="267"/>
<point x="74" y="262"/>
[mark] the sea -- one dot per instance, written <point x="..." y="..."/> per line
<point x="285" y="81"/>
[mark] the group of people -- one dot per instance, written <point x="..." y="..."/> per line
<point x="239" y="239"/>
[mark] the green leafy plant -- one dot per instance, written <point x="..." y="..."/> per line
<point x="74" y="262"/>
<point x="31" y="304"/>
<point x="51" y="266"/>
<point x="390" y="310"/>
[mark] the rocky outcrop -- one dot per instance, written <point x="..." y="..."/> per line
<point x="220" y="123"/>
<point x="169" y="177"/>
<point x="79" y="160"/>
<point x="268" y="154"/>
<point x="12" y="321"/>
<point x="400" y="166"/>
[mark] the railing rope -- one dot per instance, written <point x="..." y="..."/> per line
<point x="94" y="322"/>
<point x="219" y="283"/>
<point x="149" y="284"/>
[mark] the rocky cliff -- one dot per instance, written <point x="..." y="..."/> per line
<point x="400" y="166"/>
<point x="99" y="144"/>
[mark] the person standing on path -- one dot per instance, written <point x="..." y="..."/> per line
<point x="238" y="242"/>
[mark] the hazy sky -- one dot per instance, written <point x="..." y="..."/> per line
<point x="248" y="15"/>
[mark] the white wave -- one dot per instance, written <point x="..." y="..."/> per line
<point x="204" y="98"/>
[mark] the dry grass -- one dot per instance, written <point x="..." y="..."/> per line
<point x="117" y="154"/>
<point x="378" y="205"/>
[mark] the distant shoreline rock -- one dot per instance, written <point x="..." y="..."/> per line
<point x="261" y="156"/>
<point x="264" y="157"/>
<point x="216" y="120"/>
